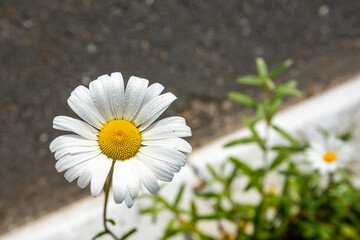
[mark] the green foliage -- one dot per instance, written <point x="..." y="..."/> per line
<point x="301" y="207"/>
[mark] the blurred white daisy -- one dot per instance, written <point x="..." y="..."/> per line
<point x="328" y="154"/>
<point x="119" y="130"/>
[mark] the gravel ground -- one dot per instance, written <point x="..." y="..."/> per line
<point x="195" y="48"/>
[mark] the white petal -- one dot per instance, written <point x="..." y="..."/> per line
<point x="161" y="170"/>
<point x="176" y="143"/>
<point x="83" y="105"/>
<point x="134" y="95"/>
<point x="100" y="94"/>
<point x="165" y="154"/>
<point x="162" y="164"/>
<point x="87" y="172"/>
<point x="74" y="125"/>
<point x="153" y="109"/>
<point x="99" y="177"/>
<point x="119" y="182"/>
<point x="129" y="201"/>
<point x="133" y="183"/>
<point x="75" y="149"/>
<point x="117" y="95"/>
<point x="68" y="140"/>
<point x="72" y="173"/>
<point x="153" y="91"/>
<point x="146" y="177"/>
<point x="169" y="165"/>
<point x="69" y="161"/>
<point x="171" y="127"/>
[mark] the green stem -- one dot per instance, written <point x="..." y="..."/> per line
<point x="257" y="217"/>
<point x="107" y="190"/>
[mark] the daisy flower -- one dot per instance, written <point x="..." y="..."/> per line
<point x="328" y="154"/>
<point x="119" y="136"/>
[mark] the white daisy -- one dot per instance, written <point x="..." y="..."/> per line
<point x="328" y="154"/>
<point x="119" y="130"/>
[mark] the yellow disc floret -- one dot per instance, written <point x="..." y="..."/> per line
<point x="119" y="139"/>
<point x="329" y="157"/>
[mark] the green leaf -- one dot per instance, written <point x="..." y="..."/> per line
<point x="241" y="141"/>
<point x="261" y="67"/>
<point x="255" y="134"/>
<point x="260" y="112"/>
<point x="274" y="107"/>
<point x="278" y="160"/>
<point x="241" y="165"/>
<point x="291" y="148"/>
<point x="110" y="221"/>
<point x="251" y="80"/>
<point x="100" y="234"/>
<point x="193" y="210"/>
<point x="285" y="134"/>
<point x="212" y="171"/>
<point x="243" y="99"/>
<point x="349" y="231"/>
<point x="128" y="234"/>
<point x="170" y="230"/>
<point x="269" y="84"/>
<point x="280" y="68"/>
<point x="322" y="131"/>
<point x="208" y="195"/>
<point x="346" y="136"/>
<point x="288" y="88"/>
<point x="179" y="195"/>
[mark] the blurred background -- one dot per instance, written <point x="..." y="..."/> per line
<point x="196" y="49"/>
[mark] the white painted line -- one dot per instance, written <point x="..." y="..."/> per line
<point x="82" y="219"/>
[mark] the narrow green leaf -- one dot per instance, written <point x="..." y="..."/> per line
<point x="163" y="201"/>
<point x="285" y="134"/>
<point x="280" y="68"/>
<point x="170" y="230"/>
<point x="291" y="148"/>
<point x="243" y="99"/>
<point x="240" y="141"/>
<point x="322" y="130"/>
<point x="251" y="80"/>
<point x="274" y="107"/>
<point x="111" y="221"/>
<point x="179" y="195"/>
<point x="193" y="210"/>
<point x="128" y="234"/>
<point x="288" y="88"/>
<point x="349" y="231"/>
<point x="260" y="112"/>
<point x="250" y="124"/>
<point x="212" y="171"/>
<point x="241" y="165"/>
<point x="100" y="234"/>
<point x="278" y="160"/>
<point x="208" y="195"/>
<point x="269" y="84"/>
<point x="346" y="136"/>
<point x="261" y="67"/>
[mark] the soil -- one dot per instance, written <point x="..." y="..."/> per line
<point x="195" y="48"/>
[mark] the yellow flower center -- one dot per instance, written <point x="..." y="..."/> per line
<point x="119" y="139"/>
<point x="271" y="190"/>
<point x="329" y="157"/>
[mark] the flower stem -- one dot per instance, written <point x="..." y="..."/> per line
<point x="266" y="140"/>
<point x="107" y="190"/>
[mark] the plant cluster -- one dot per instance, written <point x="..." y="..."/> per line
<point x="317" y="204"/>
